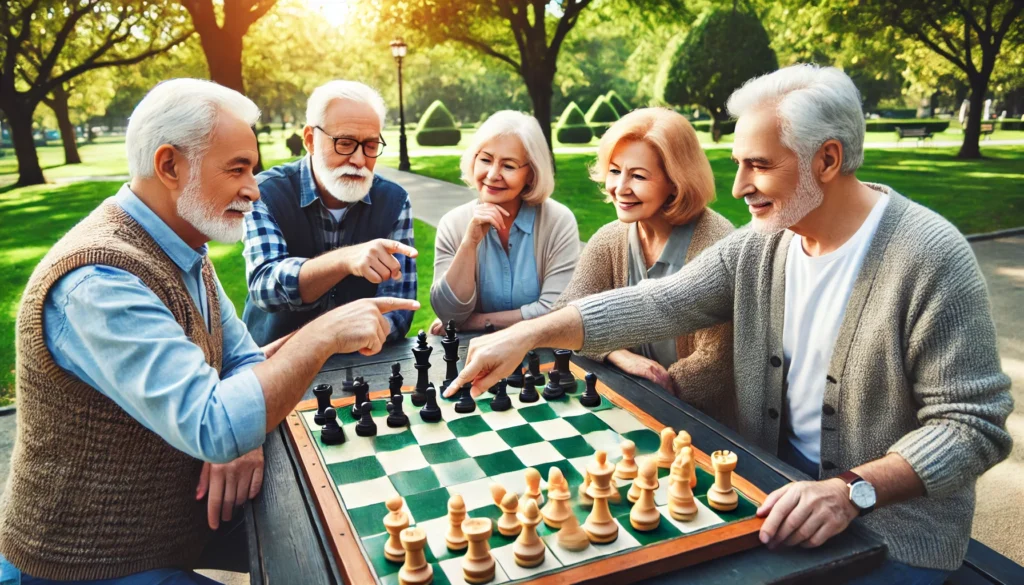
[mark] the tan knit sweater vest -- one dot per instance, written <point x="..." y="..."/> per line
<point x="92" y="493"/>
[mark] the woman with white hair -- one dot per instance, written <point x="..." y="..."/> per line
<point x="655" y="173"/>
<point x="507" y="256"/>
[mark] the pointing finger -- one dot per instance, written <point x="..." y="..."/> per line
<point x="394" y="247"/>
<point x="388" y="304"/>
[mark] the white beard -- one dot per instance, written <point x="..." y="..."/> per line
<point x="207" y="220"/>
<point x="807" y="198"/>
<point x="340" y="182"/>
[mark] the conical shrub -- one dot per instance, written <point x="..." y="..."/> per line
<point x="572" y="126"/>
<point x="437" y="127"/>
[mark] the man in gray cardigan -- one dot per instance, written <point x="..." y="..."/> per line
<point x="865" y="352"/>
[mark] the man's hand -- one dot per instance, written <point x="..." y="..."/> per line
<point x="230" y="485"/>
<point x="491" y="358"/>
<point x="360" y="325"/>
<point x="374" y="260"/>
<point x="806" y="513"/>
<point x="638" y="365"/>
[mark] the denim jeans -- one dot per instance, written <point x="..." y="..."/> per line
<point x="10" y="575"/>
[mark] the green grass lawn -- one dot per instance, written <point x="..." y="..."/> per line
<point x="976" y="196"/>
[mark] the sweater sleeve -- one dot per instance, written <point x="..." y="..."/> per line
<point x="563" y="251"/>
<point x="962" y="394"/>
<point x="442" y="299"/>
<point x="699" y="295"/>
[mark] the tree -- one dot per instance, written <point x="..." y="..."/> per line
<point x="46" y="44"/>
<point x="75" y="102"/>
<point x="968" y="34"/>
<point x="222" y="43"/>
<point x="723" y="50"/>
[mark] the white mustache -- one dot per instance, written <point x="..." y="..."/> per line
<point x="245" y="207"/>
<point x="749" y="200"/>
<point x="349" y="170"/>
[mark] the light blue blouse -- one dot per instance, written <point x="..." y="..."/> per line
<point x="508" y="280"/>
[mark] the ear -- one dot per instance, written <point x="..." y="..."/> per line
<point x="307" y="138"/>
<point x="829" y="161"/>
<point x="170" y="167"/>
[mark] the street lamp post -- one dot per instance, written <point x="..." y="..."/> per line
<point x="398" y="50"/>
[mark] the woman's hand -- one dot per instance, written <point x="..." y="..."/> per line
<point x="485" y="215"/>
<point x="436" y="328"/>
<point x="638" y="365"/>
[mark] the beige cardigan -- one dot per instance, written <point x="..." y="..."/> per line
<point x="703" y="374"/>
<point x="556" y="244"/>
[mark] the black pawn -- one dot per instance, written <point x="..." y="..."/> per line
<point x="534" y="362"/>
<point x="323" y="402"/>
<point x="422" y="354"/>
<point x="466" y="402"/>
<point x="397" y="418"/>
<point x="395" y="380"/>
<point x="430" y="412"/>
<point x="331" y="434"/>
<point x="529" y="393"/>
<point x="566" y="379"/>
<point x="362" y="391"/>
<point x="516" y="379"/>
<point x="553" y="390"/>
<point x="366" y="427"/>
<point x="501" y="401"/>
<point x="590" y="397"/>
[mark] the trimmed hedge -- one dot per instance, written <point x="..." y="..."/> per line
<point x="437" y="127"/>
<point x="620" y="105"/>
<point x="601" y="116"/>
<point x="935" y="126"/>
<point x="727" y="126"/>
<point x="898" y="113"/>
<point x="1011" y="125"/>
<point x="572" y="126"/>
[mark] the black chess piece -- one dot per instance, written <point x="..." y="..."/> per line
<point x="590" y="397"/>
<point x="529" y="393"/>
<point x="466" y="403"/>
<point x="323" y="401"/>
<point x="501" y="401"/>
<point x="566" y="379"/>
<point x="450" y="344"/>
<point x="332" y="433"/>
<point x="430" y="412"/>
<point x="366" y="427"/>
<point x="395" y="380"/>
<point x="553" y="390"/>
<point x="348" y="384"/>
<point x="516" y="379"/>
<point x="422" y="354"/>
<point x="396" y="417"/>
<point x="489" y="328"/>
<point x="362" y="391"/>
<point x="534" y="362"/>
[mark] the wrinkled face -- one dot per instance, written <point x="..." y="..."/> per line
<point x="778" y="190"/>
<point x="347" y="177"/>
<point x="501" y="171"/>
<point x="214" y="199"/>
<point x="636" y="182"/>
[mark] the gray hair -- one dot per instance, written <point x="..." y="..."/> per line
<point x="182" y="113"/>
<point x="339" y="89"/>
<point x="814" y="104"/>
<point x="527" y="130"/>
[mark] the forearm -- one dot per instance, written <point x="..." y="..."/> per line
<point x="319" y="275"/>
<point x="562" y="329"/>
<point x="500" y="320"/>
<point x="893" y="478"/>
<point x="461" y="274"/>
<point x="290" y="370"/>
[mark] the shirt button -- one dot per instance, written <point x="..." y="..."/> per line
<point x="827" y="465"/>
<point x="775" y="361"/>
<point x="773" y="413"/>
<point x="828" y="410"/>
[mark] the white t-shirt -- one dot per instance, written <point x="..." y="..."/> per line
<point x="817" y="291"/>
<point x="337" y="213"/>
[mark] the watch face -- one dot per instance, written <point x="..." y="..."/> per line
<point x="862" y="494"/>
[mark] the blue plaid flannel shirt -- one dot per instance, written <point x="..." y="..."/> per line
<point x="276" y="283"/>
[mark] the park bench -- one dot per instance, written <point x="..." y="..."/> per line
<point x="918" y="134"/>
<point x="987" y="130"/>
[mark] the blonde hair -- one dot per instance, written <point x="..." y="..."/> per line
<point x="527" y="130"/>
<point x="682" y="158"/>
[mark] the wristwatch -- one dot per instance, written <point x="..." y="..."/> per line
<point x="862" y="493"/>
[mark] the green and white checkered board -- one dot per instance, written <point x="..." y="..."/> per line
<point x="426" y="463"/>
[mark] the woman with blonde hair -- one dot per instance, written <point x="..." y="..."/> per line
<point x="659" y="180"/>
<point x="508" y="255"/>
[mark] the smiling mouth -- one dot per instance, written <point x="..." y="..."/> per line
<point x="759" y="208"/>
<point x="627" y="204"/>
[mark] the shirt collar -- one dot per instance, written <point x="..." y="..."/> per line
<point x="171" y="243"/>
<point x="525" y="217"/>
<point x="311" y="193"/>
<point x="674" y="252"/>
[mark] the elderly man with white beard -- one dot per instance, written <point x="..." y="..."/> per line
<point x="140" y="392"/>
<point x="327" y="230"/>
<point x="864" y="349"/>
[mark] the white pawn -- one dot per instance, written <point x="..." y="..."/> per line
<point x="557" y="510"/>
<point x="585" y="500"/>
<point x="645" y="516"/>
<point x="626" y="467"/>
<point x="395" y="522"/>
<point x="455" y="539"/>
<point x="666" y="455"/>
<point x="508" y="524"/>
<point x="571" y="536"/>
<point x="529" y="548"/>
<point x="683" y="440"/>
<point x="532" y="488"/>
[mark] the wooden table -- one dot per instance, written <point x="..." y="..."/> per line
<point x="286" y="542"/>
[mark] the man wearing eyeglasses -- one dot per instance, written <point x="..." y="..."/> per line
<point x="327" y="230"/>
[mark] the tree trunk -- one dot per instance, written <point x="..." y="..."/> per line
<point x="59" y="105"/>
<point x="224" y="58"/>
<point x="19" y="119"/>
<point x="971" y="147"/>
<point x="540" y="86"/>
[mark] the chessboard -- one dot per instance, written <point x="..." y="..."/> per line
<point x="411" y="473"/>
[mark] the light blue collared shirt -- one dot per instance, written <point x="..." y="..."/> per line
<point x="509" y="281"/>
<point x="104" y="326"/>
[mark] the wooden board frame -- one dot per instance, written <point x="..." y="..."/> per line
<point x="617" y="568"/>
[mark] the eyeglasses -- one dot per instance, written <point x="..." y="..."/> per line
<point x="347" y="146"/>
